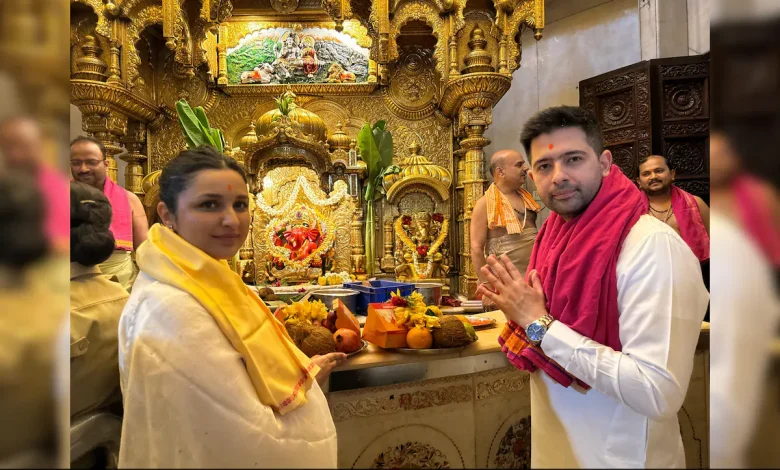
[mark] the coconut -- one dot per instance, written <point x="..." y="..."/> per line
<point x="319" y="342"/>
<point x="452" y="334"/>
<point x="298" y="331"/>
<point x="267" y="294"/>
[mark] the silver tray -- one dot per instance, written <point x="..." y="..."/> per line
<point x="432" y="351"/>
<point x="362" y="348"/>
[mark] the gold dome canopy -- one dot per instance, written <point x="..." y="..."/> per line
<point x="339" y="139"/>
<point x="250" y="137"/>
<point x="310" y="124"/>
<point x="418" y="170"/>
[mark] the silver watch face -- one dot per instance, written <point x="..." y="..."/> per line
<point x="535" y="331"/>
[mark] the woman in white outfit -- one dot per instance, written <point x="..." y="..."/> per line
<point x="209" y="377"/>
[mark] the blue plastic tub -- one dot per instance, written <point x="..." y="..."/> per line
<point x="378" y="292"/>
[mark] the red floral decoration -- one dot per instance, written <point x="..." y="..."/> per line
<point x="437" y="217"/>
<point x="406" y="220"/>
<point x="396" y="301"/>
<point x="422" y="250"/>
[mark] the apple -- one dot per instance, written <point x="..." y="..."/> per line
<point x="347" y="340"/>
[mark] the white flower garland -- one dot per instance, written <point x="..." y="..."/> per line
<point x="339" y="194"/>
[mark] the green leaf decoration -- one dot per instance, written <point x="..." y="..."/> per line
<point x="196" y="129"/>
<point x="370" y="153"/>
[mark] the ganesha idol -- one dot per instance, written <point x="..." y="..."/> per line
<point x="419" y="252"/>
<point x="301" y="240"/>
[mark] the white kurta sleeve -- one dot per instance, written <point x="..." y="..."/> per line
<point x="662" y="301"/>
<point x="189" y="401"/>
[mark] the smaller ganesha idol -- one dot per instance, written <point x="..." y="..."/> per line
<point x="299" y="240"/>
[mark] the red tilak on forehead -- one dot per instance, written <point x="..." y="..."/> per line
<point x="230" y="187"/>
<point x="551" y="146"/>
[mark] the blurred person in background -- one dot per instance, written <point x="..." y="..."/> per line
<point x="32" y="316"/>
<point x="745" y="305"/>
<point x="128" y="224"/>
<point x="96" y="304"/>
<point x="745" y="225"/>
<point x="21" y="149"/>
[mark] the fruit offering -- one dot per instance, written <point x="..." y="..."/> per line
<point x="453" y="333"/>
<point x="316" y="331"/>
<point x="347" y="341"/>
<point x="428" y="327"/>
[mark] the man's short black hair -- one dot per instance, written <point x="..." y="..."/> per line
<point x="86" y="138"/>
<point x="643" y="160"/>
<point x="551" y="119"/>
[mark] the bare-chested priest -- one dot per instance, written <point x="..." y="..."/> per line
<point x="128" y="223"/>
<point x="504" y="219"/>
<point x="687" y="214"/>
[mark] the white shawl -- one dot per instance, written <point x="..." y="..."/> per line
<point x="189" y="401"/>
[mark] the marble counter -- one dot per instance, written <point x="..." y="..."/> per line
<point x="465" y="409"/>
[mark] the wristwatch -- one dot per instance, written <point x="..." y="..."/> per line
<point x="538" y="328"/>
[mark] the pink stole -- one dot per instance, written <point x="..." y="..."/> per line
<point x="122" y="218"/>
<point x="54" y="189"/>
<point x="577" y="263"/>
<point x="755" y="214"/>
<point x="692" y="229"/>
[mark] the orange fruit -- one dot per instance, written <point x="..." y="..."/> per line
<point x="419" y="338"/>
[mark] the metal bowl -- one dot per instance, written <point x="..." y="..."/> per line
<point x="347" y="296"/>
<point x="430" y="291"/>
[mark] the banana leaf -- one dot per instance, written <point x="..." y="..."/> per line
<point x="196" y="129"/>
<point x="370" y="154"/>
<point x="375" y="144"/>
<point x="384" y="143"/>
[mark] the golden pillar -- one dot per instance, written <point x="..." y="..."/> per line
<point x="475" y="120"/>
<point x="114" y="70"/>
<point x="388" y="260"/>
<point x="134" y="172"/>
<point x="356" y="240"/>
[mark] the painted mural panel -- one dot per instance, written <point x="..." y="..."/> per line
<point x="308" y="55"/>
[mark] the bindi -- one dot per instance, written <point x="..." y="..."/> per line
<point x="230" y="187"/>
<point x="551" y="146"/>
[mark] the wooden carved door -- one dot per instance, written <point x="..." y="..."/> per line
<point x="681" y="118"/>
<point x="621" y="102"/>
<point x="656" y="107"/>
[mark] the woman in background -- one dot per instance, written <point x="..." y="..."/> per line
<point x="210" y="378"/>
<point x="96" y="303"/>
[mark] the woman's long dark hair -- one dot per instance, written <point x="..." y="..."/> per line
<point x="91" y="241"/>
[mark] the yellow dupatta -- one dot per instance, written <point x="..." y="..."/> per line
<point x="280" y="372"/>
<point x="500" y="211"/>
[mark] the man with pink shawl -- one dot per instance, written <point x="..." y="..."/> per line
<point x="687" y="214"/>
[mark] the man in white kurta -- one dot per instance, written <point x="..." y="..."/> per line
<point x="629" y="417"/>
<point x="178" y="367"/>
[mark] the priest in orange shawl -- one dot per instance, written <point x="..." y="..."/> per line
<point x="504" y="219"/>
<point x="210" y="379"/>
<point x="128" y="222"/>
